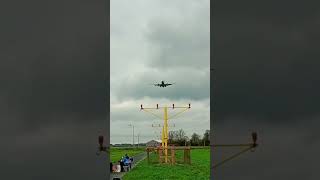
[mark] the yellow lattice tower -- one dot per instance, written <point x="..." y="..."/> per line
<point x="162" y="130"/>
<point x="165" y="118"/>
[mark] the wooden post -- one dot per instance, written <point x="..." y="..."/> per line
<point x="173" y="158"/>
<point x="185" y="155"/>
<point x="148" y="155"/>
<point x="159" y="154"/>
<point x="189" y="156"/>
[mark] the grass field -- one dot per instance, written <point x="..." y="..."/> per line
<point x="198" y="170"/>
<point x="117" y="153"/>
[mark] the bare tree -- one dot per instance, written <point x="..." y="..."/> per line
<point x="195" y="140"/>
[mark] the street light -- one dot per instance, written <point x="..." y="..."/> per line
<point x="131" y="125"/>
<point x="138" y="139"/>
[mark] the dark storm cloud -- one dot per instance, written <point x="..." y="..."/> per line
<point x="266" y="79"/>
<point x="263" y="67"/>
<point x="53" y="89"/>
<point x="48" y="64"/>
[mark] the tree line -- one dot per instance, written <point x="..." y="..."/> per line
<point x="180" y="138"/>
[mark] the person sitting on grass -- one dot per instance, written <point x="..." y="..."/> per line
<point x="114" y="167"/>
<point x="118" y="168"/>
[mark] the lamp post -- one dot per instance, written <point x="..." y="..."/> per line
<point x="138" y="139"/>
<point x="131" y="125"/>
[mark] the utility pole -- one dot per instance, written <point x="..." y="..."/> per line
<point x="138" y="139"/>
<point x="131" y="125"/>
<point x="165" y="118"/>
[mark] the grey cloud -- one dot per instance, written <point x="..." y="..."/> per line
<point x="190" y="84"/>
<point x="159" y="42"/>
<point x="180" y="43"/>
<point x="143" y="57"/>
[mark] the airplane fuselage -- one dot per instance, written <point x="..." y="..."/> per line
<point x="162" y="84"/>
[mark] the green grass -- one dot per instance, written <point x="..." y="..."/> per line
<point x="117" y="153"/>
<point x="198" y="170"/>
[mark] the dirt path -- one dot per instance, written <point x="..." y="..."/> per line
<point x="136" y="159"/>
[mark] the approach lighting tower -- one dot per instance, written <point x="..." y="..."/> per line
<point x="248" y="146"/>
<point x="165" y="118"/>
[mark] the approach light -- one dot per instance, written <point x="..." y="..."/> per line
<point x="101" y="141"/>
<point x="254" y="138"/>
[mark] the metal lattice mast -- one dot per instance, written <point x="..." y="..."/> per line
<point x="165" y="118"/>
<point x="165" y="128"/>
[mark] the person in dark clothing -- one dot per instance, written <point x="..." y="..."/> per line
<point x="131" y="161"/>
<point x="121" y="165"/>
<point x="111" y="165"/>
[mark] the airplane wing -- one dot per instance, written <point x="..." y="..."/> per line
<point x="168" y="84"/>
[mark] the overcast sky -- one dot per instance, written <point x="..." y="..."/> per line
<point x="153" y="41"/>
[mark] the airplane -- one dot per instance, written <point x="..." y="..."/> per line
<point x="162" y="84"/>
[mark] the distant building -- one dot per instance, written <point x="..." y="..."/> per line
<point x="153" y="143"/>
